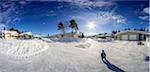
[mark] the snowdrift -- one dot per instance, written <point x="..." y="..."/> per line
<point x="22" y="48"/>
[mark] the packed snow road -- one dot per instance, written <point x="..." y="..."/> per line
<point x="72" y="56"/>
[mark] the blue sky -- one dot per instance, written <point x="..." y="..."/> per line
<point x="92" y="16"/>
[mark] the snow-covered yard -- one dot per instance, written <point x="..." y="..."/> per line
<point x="71" y="55"/>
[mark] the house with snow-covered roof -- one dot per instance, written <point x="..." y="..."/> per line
<point x="26" y="35"/>
<point x="15" y="33"/>
<point x="105" y="36"/>
<point x="131" y="35"/>
<point x="10" y="34"/>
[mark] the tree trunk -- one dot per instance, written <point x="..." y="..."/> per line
<point x="63" y="32"/>
<point x="72" y="32"/>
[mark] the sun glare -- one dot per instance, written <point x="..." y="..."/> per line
<point x="91" y="25"/>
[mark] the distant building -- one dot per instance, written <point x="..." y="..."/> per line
<point x="131" y="35"/>
<point x="26" y="35"/>
<point x="105" y="36"/>
<point x="14" y="34"/>
<point x="102" y="36"/>
<point x="40" y="36"/>
<point x="67" y="35"/>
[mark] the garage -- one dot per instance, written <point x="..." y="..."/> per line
<point x="124" y="37"/>
<point x="133" y="37"/>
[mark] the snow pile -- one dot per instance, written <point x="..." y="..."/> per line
<point x="22" y="48"/>
<point x="46" y="39"/>
<point x="85" y="45"/>
<point x="148" y="44"/>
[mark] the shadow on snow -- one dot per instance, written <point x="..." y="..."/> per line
<point x="108" y="64"/>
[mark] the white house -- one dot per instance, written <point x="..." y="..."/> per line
<point x="10" y="34"/>
<point x="131" y="35"/>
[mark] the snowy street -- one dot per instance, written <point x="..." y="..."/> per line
<point x="77" y="55"/>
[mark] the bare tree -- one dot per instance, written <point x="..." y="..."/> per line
<point x="73" y="25"/>
<point x="61" y="27"/>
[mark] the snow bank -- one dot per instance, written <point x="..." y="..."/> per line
<point x="148" y="44"/>
<point x="46" y="39"/>
<point x="22" y="48"/>
<point x="85" y="45"/>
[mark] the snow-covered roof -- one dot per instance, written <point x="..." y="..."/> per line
<point x="13" y="33"/>
<point x="26" y="33"/>
<point x="131" y="31"/>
